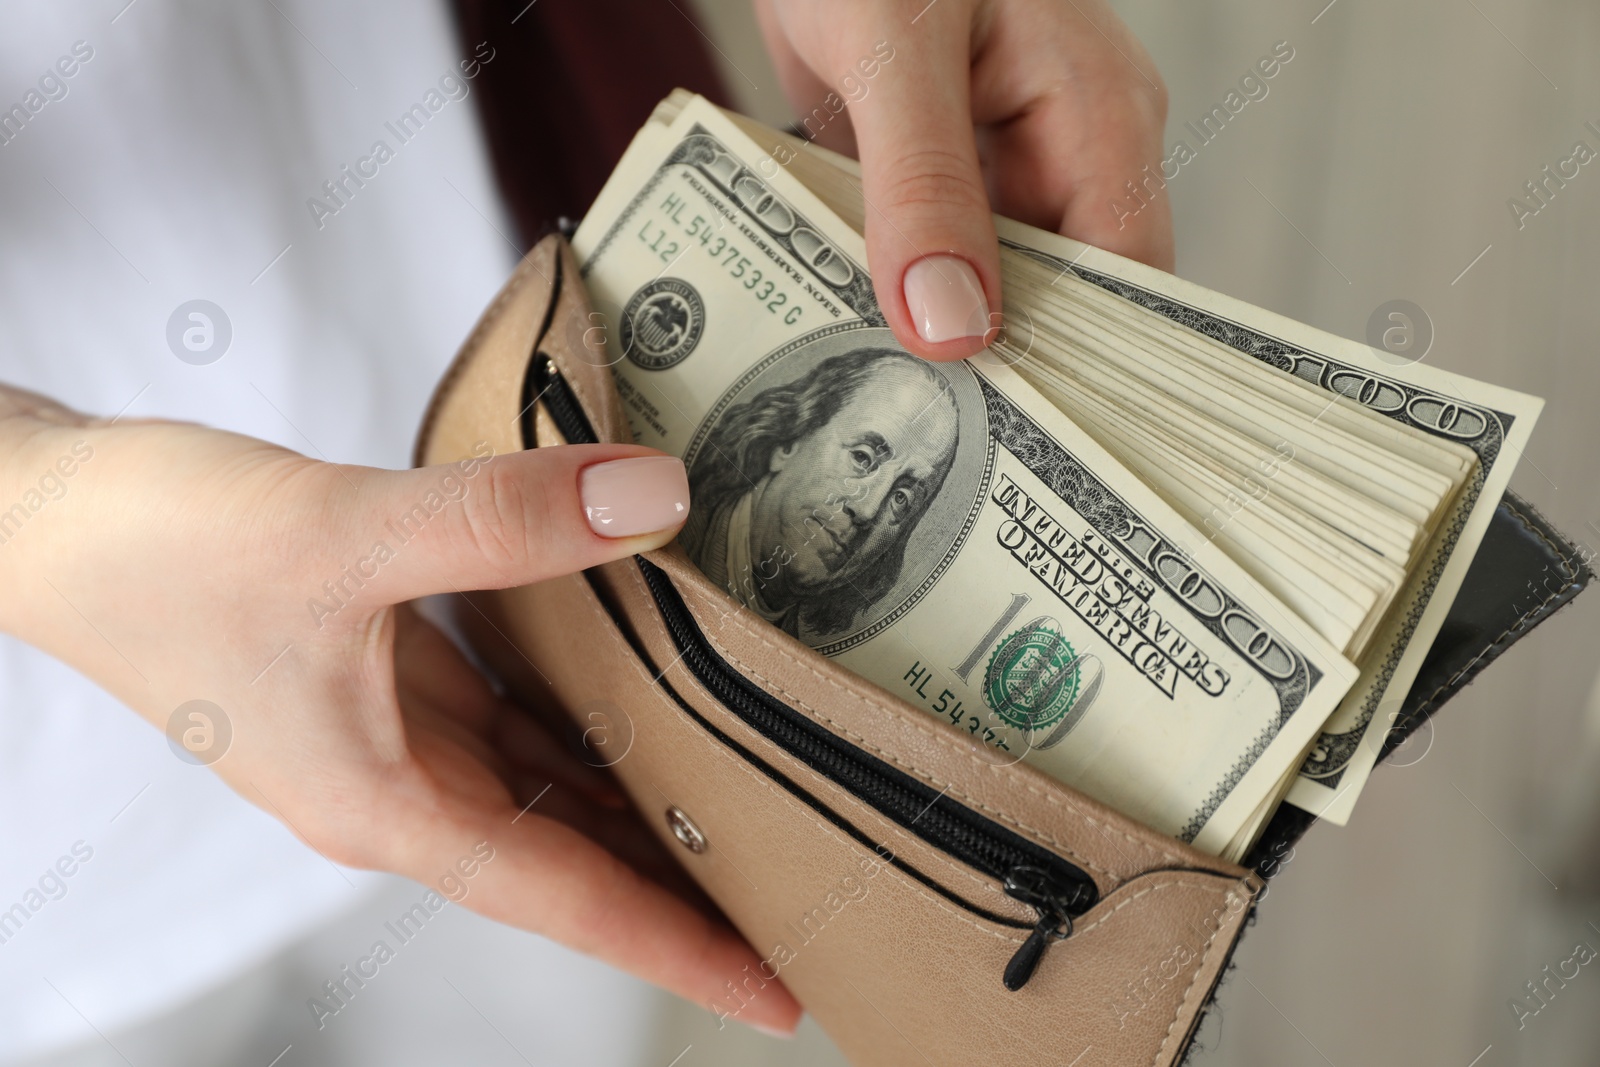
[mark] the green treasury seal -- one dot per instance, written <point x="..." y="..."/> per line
<point x="1032" y="678"/>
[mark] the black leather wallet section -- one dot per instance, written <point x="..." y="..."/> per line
<point x="1523" y="573"/>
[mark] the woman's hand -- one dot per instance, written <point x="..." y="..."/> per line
<point x="171" y="563"/>
<point x="1041" y="110"/>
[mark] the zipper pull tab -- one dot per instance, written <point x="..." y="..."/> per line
<point x="1027" y="958"/>
<point x="1033" y="886"/>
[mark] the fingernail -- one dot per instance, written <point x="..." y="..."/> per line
<point x="772" y="1031"/>
<point x="946" y="299"/>
<point x="635" y="496"/>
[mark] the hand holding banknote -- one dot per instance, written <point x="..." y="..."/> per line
<point x="1036" y="110"/>
<point x="1174" y="551"/>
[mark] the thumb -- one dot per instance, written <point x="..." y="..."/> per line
<point x="519" y="518"/>
<point x="931" y="243"/>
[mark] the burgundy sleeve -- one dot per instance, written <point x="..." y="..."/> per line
<point x="569" y="84"/>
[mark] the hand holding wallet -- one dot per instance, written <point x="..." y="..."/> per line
<point x="926" y="902"/>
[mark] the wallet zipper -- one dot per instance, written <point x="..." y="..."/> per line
<point x="1056" y="889"/>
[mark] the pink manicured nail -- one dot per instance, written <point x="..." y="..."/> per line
<point x="635" y="496"/>
<point x="946" y="299"/>
<point x="772" y="1031"/>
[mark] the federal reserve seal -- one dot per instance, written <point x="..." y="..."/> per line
<point x="662" y="323"/>
<point x="1032" y="678"/>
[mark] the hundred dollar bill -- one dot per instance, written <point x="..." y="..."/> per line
<point x="939" y="529"/>
<point x="1494" y="422"/>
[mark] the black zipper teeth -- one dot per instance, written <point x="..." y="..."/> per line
<point x="1060" y="892"/>
<point x="563" y="406"/>
<point x="913" y="805"/>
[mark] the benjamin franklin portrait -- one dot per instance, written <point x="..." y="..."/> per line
<point x="807" y="493"/>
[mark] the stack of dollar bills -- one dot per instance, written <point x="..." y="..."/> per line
<point x="1180" y="553"/>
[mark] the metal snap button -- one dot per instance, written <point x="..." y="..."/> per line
<point x="687" y="833"/>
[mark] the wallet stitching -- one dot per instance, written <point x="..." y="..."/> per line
<point x="1527" y="619"/>
<point x="988" y="887"/>
<point x="1175" y="883"/>
<point x="899" y="719"/>
<point x="1205" y="959"/>
<point x="1205" y="954"/>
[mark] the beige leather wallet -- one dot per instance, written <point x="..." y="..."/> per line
<point x="928" y="901"/>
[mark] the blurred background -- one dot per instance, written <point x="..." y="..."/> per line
<point x="1378" y="168"/>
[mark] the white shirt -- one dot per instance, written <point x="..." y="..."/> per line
<point x="176" y="162"/>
